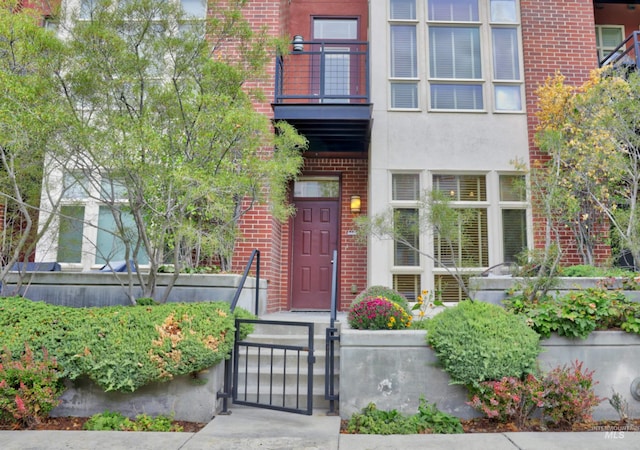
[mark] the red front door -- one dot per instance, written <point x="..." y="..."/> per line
<point x="315" y="237"/>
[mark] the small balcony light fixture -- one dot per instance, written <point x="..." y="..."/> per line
<point x="298" y="45"/>
<point x="356" y="204"/>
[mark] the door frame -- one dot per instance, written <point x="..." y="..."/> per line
<point x="292" y="199"/>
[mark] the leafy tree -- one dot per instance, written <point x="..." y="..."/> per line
<point x="435" y="217"/>
<point x="32" y="120"/>
<point x="163" y="119"/>
<point x="590" y="134"/>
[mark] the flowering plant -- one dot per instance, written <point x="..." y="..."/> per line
<point x="378" y="313"/>
<point x="426" y="304"/>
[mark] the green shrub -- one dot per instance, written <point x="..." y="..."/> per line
<point x="585" y="270"/>
<point x="378" y="313"/>
<point x="29" y="388"/>
<point x="569" y="395"/>
<point x="577" y="313"/>
<point x="565" y="396"/>
<point x="122" y="348"/>
<point x="383" y="291"/>
<point x="428" y="420"/>
<point x="477" y="341"/>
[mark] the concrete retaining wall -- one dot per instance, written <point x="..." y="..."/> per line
<point x="190" y="398"/>
<point x="493" y="289"/>
<point x="88" y="289"/>
<point x="394" y="368"/>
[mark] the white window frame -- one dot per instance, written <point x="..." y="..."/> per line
<point x="413" y="81"/>
<point x="605" y="50"/>
<point x="417" y="270"/>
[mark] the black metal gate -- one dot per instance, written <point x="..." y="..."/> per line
<point x="274" y="376"/>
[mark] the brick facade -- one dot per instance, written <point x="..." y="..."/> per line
<point x="556" y="37"/>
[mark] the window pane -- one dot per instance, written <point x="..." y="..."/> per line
<point x="316" y="188"/>
<point x="404" y="62"/>
<point x="406" y="225"/>
<point x="110" y="246"/>
<point x="111" y="190"/>
<point x="86" y="8"/>
<point x="195" y="8"/>
<point x="335" y="29"/>
<point x="453" y="10"/>
<point x="469" y="246"/>
<point x="407" y="285"/>
<point x="75" y="186"/>
<point x="503" y="11"/>
<point x="454" y="53"/>
<point x="611" y="37"/>
<point x="456" y="96"/>
<point x="70" y="234"/>
<point x="462" y="187"/>
<point x="514" y="233"/>
<point x="512" y="188"/>
<point x="472" y="188"/>
<point x="508" y="98"/>
<point x="403" y="9"/>
<point x="506" y="65"/>
<point x="448" y="288"/>
<point x="404" y="95"/>
<point x="405" y="186"/>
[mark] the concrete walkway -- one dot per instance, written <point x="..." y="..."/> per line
<point x="252" y="428"/>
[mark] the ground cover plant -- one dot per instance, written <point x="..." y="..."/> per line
<point x="125" y="347"/>
<point x="114" y="421"/>
<point x="578" y="313"/>
<point x="428" y="419"/>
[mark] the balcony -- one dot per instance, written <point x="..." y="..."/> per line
<point x="625" y="56"/>
<point x="322" y="89"/>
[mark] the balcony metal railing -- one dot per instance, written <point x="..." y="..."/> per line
<point x="324" y="72"/>
<point x="626" y="55"/>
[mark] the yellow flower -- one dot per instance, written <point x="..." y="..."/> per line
<point x="421" y="313"/>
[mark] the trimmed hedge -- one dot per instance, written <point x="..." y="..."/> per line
<point x="123" y="347"/>
<point x="477" y="341"/>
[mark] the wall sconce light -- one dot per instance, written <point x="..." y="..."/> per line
<point x="356" y="204"/>
<point x="298" y="45"/>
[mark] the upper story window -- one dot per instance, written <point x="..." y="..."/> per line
<point x="608" y="37"/>
<point x="467" y="44"/>
<point x="404" y="54"/>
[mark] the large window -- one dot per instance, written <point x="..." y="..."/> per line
<point x="468" y="44"/>
<point x="405" y="194"/>
<point x="93" y="223"/>
<point x="513" y="208"/>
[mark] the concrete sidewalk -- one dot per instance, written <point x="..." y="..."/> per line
<point x="253" y="428"/>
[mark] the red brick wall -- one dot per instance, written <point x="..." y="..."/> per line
<point x="259" y="229"/>
<point x="352" y="255"/>
<point x="556" y="37"/>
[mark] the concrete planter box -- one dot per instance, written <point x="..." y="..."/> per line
<point x="186" y="397"/>
<point x="493" y="289"/>
<point x="394" y="368"/>
<point x="613" y="355"/>
<point x="88" y="289"/>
